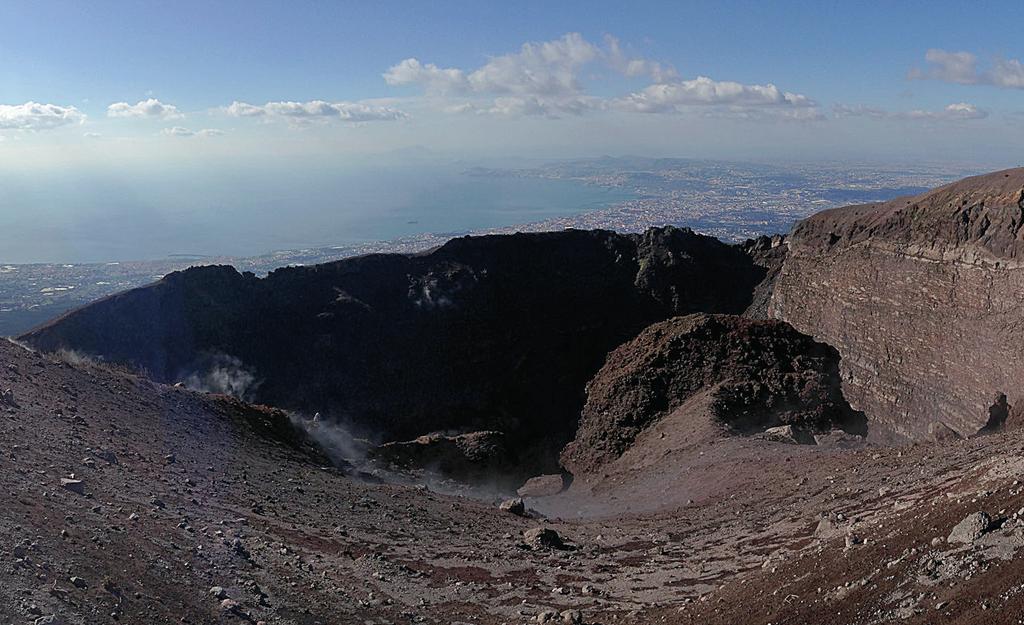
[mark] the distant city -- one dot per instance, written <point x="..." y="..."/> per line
<point x="728" y="200"/>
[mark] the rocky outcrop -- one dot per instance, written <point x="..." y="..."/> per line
<point x="922" y="297"/>
<point x="731" y="373"/>
<point x="768" y="252"/>
<point x="471" y="457"/>
<point x="484" y="333"/>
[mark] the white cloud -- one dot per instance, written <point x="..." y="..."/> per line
<point x="241" y="109"/>
<point x="764" y="113"/>
<point x="636" y="66"/>
<point x="547" y="68"/>
<point x="1008" y="74"/>
<point x="151" y="108"/>
<point x="962" y="68"/>
<point x="518" y="106"/>
<point x="33" y="116"/>
<point x="180" y="131"/>
<point x="960" y="111"/>
<point x="317" y="110"/>
<point x="431" y="77"/>
<point x="672" y="97"/>
<point x="545" y="79"/>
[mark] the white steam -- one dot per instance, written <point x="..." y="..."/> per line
<point x="225" y="375"/>
<point x="334" y="439"/>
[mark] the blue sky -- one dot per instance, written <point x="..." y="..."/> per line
<point x="157" y="83"/>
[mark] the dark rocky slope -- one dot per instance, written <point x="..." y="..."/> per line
<point x="922" y="297"/>
<point x="709" y="374"/>
<point x="483" y="333"/>
<point x="125" y="501"/>
<point x="769" y="253"/>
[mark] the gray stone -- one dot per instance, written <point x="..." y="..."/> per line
<point x="786" y="434"/>
<point x="970" y="529"/>
<point x="546" y="616"/>
<point x="75" y="486"/>
<point x="515" y="506"/>
<point x="573" y="617"/>
<point x="543" y="538"/>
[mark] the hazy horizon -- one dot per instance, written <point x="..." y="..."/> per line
<point x="138" y="116"/>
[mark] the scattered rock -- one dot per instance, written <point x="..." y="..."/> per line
<point x="546" y="616"/>
<point x="78" y="582"/>
<point x="542" y="486"/>
<point x="73" y="485"/>
<point x="218" y="593"/>
<point x="826" y="527"/>
<point x="839" y="439"/>
<point x="573" y="617"/>
<point x="543" y="538"/>
<point x="515" y="506"/>
<point x="787" y="434"/>
<point x="476" y="456"/>
<point x="971" y="528"/>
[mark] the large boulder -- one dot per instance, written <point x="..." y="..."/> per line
<point x="474" y="456"/>
<point x="749" y="375"/>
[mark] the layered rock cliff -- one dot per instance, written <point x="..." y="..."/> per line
<point x="483" y="333"/>
<point x="923" y="298"/>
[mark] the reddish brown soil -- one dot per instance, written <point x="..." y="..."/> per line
<point x="317" y="546"/>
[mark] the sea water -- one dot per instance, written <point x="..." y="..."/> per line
<point x="107" y="217"/>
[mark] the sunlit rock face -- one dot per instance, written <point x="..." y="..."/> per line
<point x="924" y="299"/>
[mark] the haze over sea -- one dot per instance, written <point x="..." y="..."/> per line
<point x="99" y="217"/>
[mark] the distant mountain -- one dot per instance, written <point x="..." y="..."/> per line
<point x="483" y="333"/>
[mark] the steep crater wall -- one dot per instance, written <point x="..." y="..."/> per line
<point x="484" y="333"/>
<point x="923" y="298"/>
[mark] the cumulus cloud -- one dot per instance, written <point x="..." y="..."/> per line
<point x="517" y="106"/>
<point x="672" y="97"/>
<point x="547" y="68"/>
<point x="151" y="108"/>
<point x="963" y="68"/>
<point x="544" y="78"/>
<point x="241" y="109"/>
<point x="959" y="111"/>
<point x="180" y="131"/>
<point x="429" y="76"/>
<point x="636" y="66"/>
<point x="33" y="116"/>
<point x="317" y="110"/>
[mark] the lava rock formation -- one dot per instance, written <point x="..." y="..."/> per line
<point x="484" y="333"/>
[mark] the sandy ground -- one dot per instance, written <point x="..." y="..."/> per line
<point x="188" y="508"/>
